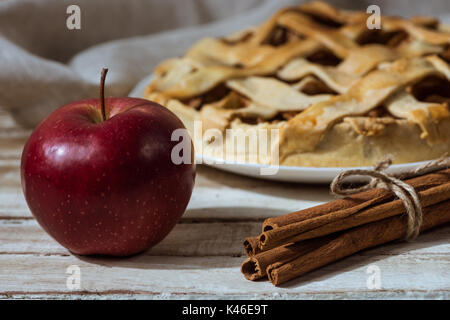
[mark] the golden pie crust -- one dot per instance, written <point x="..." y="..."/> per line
<point x="339" y="93"/>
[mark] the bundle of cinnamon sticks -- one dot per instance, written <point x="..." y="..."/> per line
<point x="294" y="244"/>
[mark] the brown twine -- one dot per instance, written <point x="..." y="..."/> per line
<point x="393" y="182"/>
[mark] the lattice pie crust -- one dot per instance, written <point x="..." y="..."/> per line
<point x="339" y="93"/>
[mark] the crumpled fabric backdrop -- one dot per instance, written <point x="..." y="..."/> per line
<point x="44" y="65"/>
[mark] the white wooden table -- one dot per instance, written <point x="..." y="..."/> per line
<point x="201" y="257"/>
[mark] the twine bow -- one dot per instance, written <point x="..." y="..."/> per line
<point x="393" y="182"/>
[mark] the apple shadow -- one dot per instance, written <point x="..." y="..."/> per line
<point x="160" y="262"/>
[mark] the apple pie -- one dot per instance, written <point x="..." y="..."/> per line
<point x="335" y="92"/>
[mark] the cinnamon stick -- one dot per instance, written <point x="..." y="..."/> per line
<point x="353" y="203"/>
<point x="352" y="241"/>
<point x="254" y="267"/>
<point x="251" y="246"/>
<point x="433" y="188"/>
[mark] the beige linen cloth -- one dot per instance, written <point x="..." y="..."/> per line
<point x="44" y="65"/>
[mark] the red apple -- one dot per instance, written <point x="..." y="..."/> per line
<point x="97" y="175"/>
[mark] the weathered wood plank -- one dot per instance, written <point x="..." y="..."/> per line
<point x="9" y="175"/>
<point x="13" y="205"/>
<point x="401" y="276"/>
<point x="11" y="146"/>
<point x="196" y="239"/>
<point x="410" y="294"/>
<point x="186" y="239"/>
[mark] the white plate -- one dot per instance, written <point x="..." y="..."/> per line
<point x="293" y="174"/>
<point x="284" y="173"/>
<point x="139" y="90"/>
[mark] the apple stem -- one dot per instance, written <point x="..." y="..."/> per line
<point x="102" y="93"/>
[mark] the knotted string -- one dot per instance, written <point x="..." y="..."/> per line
<point x="393" y="182"/>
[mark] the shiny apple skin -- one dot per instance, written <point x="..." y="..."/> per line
<point x="107" y="188"/>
